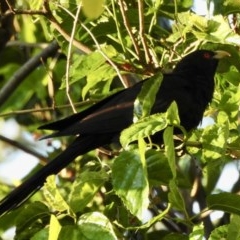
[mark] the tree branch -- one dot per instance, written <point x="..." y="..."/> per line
<point x="20" y="75"/>
<point x="23" y="148"/>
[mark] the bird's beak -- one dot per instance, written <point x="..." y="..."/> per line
<point x="221" y="54"/>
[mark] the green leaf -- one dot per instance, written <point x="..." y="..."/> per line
<point x="158" y="168"/>
<point x="27" y="221"/>
<point x="176" y="236"/>
<point x="219" y="233"/>
<point x="231" y="76"/>
<point x="143" y="128"/>
<point x="227" y="202"/>
<point x="93" y="8"/>
<point x="169" y="149"/>
<point x="130" y="182"/>
<point x="172" y="114"/>
<point x="85" y="188"/>
<point x="41" y="235"/>
<point x="176" y="198"/>
<point x="146" y="98"/>
<point x="54" y="228"/>
<point x="229" y="103"/>
<point x="214" y="141"/>
<point x="53" y="195"/>
<point x="233" y="232"/>
<point x="212" y="173"/>
<point x="95" y="224"/>
<point x="32" y="212"/>
<point x="153" y="220"/>
<point x="102" y="73"/>
<point x="226" y="7"/>
<point x="218" y="31"/>
<point x="90" y="226"/>
<point x="197" y="232"/>
<point x="71" y="232"/>
<point x="93" y="67"/>
<point x="35" y="4"/>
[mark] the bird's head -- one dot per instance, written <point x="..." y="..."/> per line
<point x="201" y="62"/>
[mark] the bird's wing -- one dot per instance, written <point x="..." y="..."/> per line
<point x="110" y="115"/>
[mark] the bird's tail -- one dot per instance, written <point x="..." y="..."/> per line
<point x="78" y="147"/>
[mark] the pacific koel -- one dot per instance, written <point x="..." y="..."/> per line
<point x="191" y="85"/>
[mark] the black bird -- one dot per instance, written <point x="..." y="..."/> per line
<point x="191" y="85"/>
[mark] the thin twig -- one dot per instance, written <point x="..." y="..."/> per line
<point x="20" y="75"/>
<point x="31" y="12"/>
<point x="23" y="148"/>
<point x="104" y="55"/>
<point x="49" y="70"/>
<point x="128" y="28"/>
<point x="16" y="43"/>
<point x="58" y="27"/>
<point x="117" y="24"/>
<point x="28" y="111"/>
<point x="46" y="12"/>
<point x="142" y="31"/>
<point x="100" y="50"/>
<point x="69" y="56"/>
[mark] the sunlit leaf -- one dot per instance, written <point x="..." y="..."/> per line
<point x="146" y="98"/>
<point x="143" y="128"/>
<point x="130" y="182"/>
<point x="219" y="233"/>
<point x="93" y="8"/>
<point x="53" y="196"/>
<point x="84" y="189"/>
<point x="54" y="228"/>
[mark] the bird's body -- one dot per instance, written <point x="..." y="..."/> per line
<point x="191" y="85"/>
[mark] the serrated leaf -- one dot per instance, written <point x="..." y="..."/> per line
<point x="146" y="98"/>
<point x="85" y="64"/>
<point x="102" y="73"/>
<point x="227" y="202"/>
<point x="218" y="31"/>
<point x="130" y="182"/>
<point x="229" y="103"/>
<point x="214" y="141"/>
<point x="219" y="233"/>
<point x="143" y="128"/>
<point x="53" y="195"/>
<point x="85" y="188"/>
<point x="92" y="225"/>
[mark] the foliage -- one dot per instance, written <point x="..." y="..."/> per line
<point x="105" y="46"/>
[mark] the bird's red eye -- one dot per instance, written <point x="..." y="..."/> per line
<point x="207" y="55"/>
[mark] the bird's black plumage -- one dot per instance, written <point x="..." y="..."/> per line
<point x="191" y="85"/>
